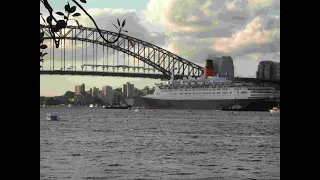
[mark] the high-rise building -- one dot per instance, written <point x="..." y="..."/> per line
<point x="128" y="90"/>
<point x="107" y="93"/>
<point x="79" y="89"/>
<point x="124" y="90"/>
<point x="95" y="91"/>
<point x="106" y="89"/>
<point x="223" y="67"/>
<point x="116" y="97"/>
<point x="269" y="70"/>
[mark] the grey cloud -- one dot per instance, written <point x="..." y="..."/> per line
<point x="202" y="22"/>
<point x="271" y="23"/>
<point x="198" y="13"/>
<point x="262" y="57"/>
<point x="235" y="17"/>
<point x="219" y="32"/>
<point x="273" y="47"/>
<point x="216" y="4"/>
<point x="265" y="10"/>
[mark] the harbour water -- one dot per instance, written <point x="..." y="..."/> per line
<point x="95" y="143"/>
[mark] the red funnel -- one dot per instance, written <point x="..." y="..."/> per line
<point x="208" y="69"/>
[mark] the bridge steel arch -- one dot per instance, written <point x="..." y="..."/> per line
<point x="158" y="58"/>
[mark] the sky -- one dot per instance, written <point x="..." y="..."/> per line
<point x="246" y="30"/>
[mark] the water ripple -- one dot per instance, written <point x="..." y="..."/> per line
<point x="92" y="143"/>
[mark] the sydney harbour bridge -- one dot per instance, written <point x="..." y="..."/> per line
<point x="82" y="51"/>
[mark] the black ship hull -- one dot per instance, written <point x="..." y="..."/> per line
<point x="246" y="104"/>
<point x="114" y="107"/>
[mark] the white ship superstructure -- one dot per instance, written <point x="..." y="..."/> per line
<point x="211" y="88"/>
<point x="212" y="92"/>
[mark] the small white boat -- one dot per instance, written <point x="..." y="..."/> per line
<point x="136" y="110"/>
<point x="236" y="107"/>
<point x="69" y="105"/>
<point x="274" y="110"/>
<point x="52" y="117"/>
<point x="91" y="105"/>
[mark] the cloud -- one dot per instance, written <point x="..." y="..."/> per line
<point x="171" y="14"/>
<point x="194" y="29"/>
<point x="252" y="34"/>
<point x="257" y="4"/>
<point x="230" y="5"/>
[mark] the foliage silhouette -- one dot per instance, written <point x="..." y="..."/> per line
<point x="55" y="30"/>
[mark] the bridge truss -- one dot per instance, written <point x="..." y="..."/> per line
<point x="82" y="51"/>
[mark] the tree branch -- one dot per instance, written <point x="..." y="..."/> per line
<point x="79" y="5"/>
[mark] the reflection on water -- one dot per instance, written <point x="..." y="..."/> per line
<point x="95" y="143"/>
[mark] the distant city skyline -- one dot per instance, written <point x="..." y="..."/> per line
<point x="247" y="30"/>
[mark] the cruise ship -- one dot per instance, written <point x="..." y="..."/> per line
<point x="212" y="92"/>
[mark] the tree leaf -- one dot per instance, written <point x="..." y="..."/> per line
<point x="41" y="60"/>
<point x="44" y="54"/>
<point x="118" y="22"/>
<point x="72" y="9"/>
<point x="40" y="53"/>
<point x="43" y="46"/>
<point x="60" y="13"/>
<point x="123" y="23"/>
<point x="61" y="24"/>
<point x="65" y="17"/>
<point x="76" y="14"/>
<point x="67" y="7"/>
<point x="40" y="14"/>
<point x="83" y="1"/>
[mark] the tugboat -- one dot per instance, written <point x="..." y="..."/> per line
<point x="275" y="109"/>
<point x="119" y="106"/>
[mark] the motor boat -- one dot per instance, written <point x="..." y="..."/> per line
<point x="119" y="105"/>
<point x="274" y="110"/>
<point x="52" y="117"/>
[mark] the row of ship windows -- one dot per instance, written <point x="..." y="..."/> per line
<point x="203" y="89"/>
<point x="258" y="89"/>
<point x="202" y="93"/>
<point x="243" y="92"/>
<point x="258" y="94"/>
<point x="262" y="92"/>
